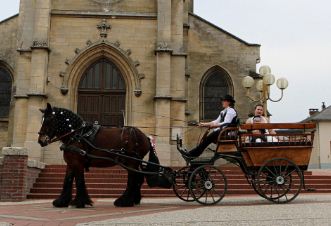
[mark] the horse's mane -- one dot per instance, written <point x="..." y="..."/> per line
<point x="66" y="119"/>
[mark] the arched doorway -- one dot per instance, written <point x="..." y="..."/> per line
<point x="5" y="92"/>
<point x="216" y="84"/>
<point x="101" y="94"/>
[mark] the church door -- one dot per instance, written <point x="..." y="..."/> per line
<point x="101" y="94"/>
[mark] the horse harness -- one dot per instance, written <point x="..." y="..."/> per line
<point x="86" y="137"/>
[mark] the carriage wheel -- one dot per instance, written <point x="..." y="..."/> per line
<point x="256" y="188"/>
<point x="279" y="180"/>
<point x="180" y="186"/>
<point x="207" y="185"/>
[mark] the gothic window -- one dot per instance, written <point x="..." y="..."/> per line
<point x="5" y="92"/>
<point x="215" y="85"/>
<point x="101" y="94"/>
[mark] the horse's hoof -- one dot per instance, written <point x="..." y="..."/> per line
<point x="137" y="200"/>
<point x="124" y="202"/>
<point x="60" y="203"/>
<point x="81" y="204"/>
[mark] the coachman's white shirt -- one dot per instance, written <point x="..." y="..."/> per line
<point x="230" y="115"/>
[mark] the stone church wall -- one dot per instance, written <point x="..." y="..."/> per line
<point x="8" y="52"/>
<point x="70" y="33"/>
<point x="210" y="46"/>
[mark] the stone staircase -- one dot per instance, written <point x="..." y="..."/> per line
<point x="110" y="183"/>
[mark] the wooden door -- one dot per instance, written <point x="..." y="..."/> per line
<point x="101" y="94"/>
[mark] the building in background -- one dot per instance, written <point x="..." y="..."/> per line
<point x="153" y="64"/>
<point x="321" y="154"/>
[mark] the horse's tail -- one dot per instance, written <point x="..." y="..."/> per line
<point x="164" y="175"/>
<point x="152" y="157"/>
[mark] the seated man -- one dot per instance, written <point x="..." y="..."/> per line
<point x="227" y="117"/>
<point x="259" y="118"/>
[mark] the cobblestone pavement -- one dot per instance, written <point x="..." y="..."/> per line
<point x="233" y="210"/>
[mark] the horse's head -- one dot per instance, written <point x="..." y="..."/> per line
<point x="57" y="122"/>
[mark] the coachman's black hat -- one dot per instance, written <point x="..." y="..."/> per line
<point x="228" y="98"/>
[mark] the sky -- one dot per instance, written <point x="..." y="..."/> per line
<point x="295" y="38"/>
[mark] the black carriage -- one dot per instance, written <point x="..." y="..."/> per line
<point x="274" y="164"/>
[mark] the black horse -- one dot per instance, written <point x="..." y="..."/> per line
<point x="75" y="134"/>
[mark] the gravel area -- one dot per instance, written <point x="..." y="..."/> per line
<point x="251" y="210"/>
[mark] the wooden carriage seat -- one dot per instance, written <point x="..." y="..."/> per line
<point x="304" y="138"/>
<point x="227" y="141"/>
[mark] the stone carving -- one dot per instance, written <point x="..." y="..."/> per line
<point x="62" y="74"/>
<point x="117" y="43"/>
<point x="88" y="43"/>
<point x="163" y="47"/>
<point x="103" y="27"/>
<point x="39" y="44"/>
<point x="77" y="50"/>
<point x="106" y="4"/>
<point x="128" y="52"/>
<point x="137" y="93"/>
<point x="64" y="90"/>
<point x="136" y="63"/>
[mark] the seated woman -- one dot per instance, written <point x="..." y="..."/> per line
<point x="227" y="117"/>
<point x="259" y="118"/>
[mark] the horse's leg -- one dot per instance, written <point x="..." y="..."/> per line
<point x="130" y="196"/>
<point x="82" y="198"/>
<point x="137" y="190"/>
<point x="64" y="199"/>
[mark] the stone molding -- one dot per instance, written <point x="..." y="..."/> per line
<point x="112" y="46"/>
<point x="75" y="13"/>
<point x="19" y="151"/>
<point x="179" y="99"/>
<point x="163" y="47"/>
<point x="37" y="44"/>
<point x="21" y="97"/>
<point x="106" y="4"/>
<point x="163" y="98"/>
<point x="36" y="164"/>
<point x="43" y="95"/>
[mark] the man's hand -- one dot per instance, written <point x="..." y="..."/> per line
<point x="204" y="124"/>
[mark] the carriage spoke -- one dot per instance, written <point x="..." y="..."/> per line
<point x="270" y="171"/>
<point x="211" y="185"/>
<point x="285" y="186"/>
<point x="290" y="173"/>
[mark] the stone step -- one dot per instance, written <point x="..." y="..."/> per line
<point x="111" y="182"/>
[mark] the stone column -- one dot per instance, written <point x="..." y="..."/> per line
<point x="163" y="81"/>
<point x="23" y="65"/>
<point x="177" y="78"/>
<point x="13" y="181"/>
<point x="38" y="77"/>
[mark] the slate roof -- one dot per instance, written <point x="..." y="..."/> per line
<point x="224" y="31"/>
<point x="324" y="115"/>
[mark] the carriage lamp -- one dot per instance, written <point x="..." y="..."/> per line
<point x="263" y="86"/>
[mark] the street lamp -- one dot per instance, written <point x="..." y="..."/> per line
<point x="263" y="86"/>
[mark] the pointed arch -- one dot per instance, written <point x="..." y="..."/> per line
<point x="6" y="83"/>
<point x="101" y="94"/>
<point x="96" y="52"/>
<point x="215" y="83"/>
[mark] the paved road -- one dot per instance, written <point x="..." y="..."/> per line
<point x="233" y="210"/>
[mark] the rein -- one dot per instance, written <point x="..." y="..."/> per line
<point x="65" y="135"/>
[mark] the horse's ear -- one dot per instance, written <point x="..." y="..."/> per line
<point x="49" y="107"/>
<point x="42" y="111"/>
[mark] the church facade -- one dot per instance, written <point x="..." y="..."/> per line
<point x="153" y="64"/>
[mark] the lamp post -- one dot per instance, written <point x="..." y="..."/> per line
<point x="263" y="86"/>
